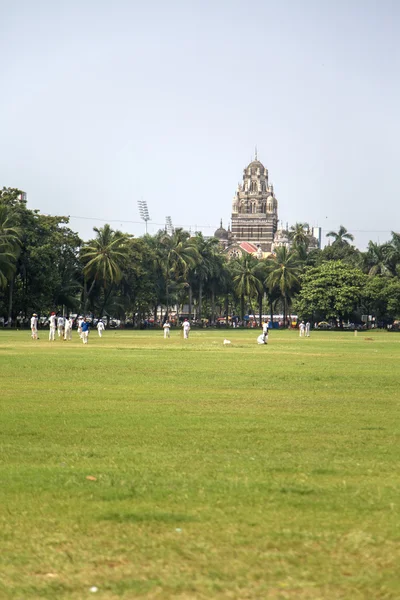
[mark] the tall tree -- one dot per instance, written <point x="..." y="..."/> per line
<point x="341" y="237"/>
<point x="333" y="290"/>
<point x="376" y="259"/>
<point x="104" y="258"/>
<point x="298" y="234"/>
<point x="177" y="253"/>
<point x="283" y="274"/>
<point x="9" y="243"/>
<point x="246" y="280"/>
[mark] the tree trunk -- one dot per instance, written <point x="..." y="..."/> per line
<point x="242" y="307"/>
<point x="284" y="312"/>
<point x="200" y="298"/>
<point x="260" y="307"/>
<point x="86" y="299"/>
<point x="106" y="297"/>
<point x="190" y="301"/>
<point x="10" y="301"/>
<point x="213" y="307"/>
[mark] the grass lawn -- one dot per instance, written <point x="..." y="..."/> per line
<point x="237" y="472"/>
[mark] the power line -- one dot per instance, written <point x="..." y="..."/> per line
<point x="351" y="230"/>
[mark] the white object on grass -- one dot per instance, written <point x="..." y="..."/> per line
<point x="226" y="342"/>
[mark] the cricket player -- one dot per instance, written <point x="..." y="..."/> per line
<point x="166" y="328"/>
<point x="308" y="329"/>
<point x="34" y="323"/>
<point x="68" y="329"/>
<point x="100" y="328"/>
<point x="52" y="330"/>
<point x="80" y="321"/>
<point x="302" y="328"/>
<point x="85" y="331"/>
<point x="186" y="329"/>
<point x="265" y="332"/>
<point x="60" y="326"/>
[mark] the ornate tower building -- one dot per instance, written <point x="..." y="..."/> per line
<point x="255" y="208"/>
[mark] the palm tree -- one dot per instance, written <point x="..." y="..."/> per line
<point x="298" y="234"/>
<point x="104" y="258"/>
<point x="246" y="280"/>
<point x="283" y="274"/>
<point x="176" y="254"/>
<point x="206" y="265"/>
<point x="9" y="244"/>
<point x="392" y="253"/>
<point x="376" y="259"/>
<point x="341" y="237"/>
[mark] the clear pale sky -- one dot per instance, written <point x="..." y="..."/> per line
<point x="106" y="103"/>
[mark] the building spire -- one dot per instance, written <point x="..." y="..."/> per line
<point x="255" y="154"/>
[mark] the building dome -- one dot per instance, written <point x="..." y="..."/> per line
<point x="256" y="164"/>
<point x="221" y="233"/>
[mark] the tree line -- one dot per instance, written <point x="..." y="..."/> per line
<point x="45" y="266"/>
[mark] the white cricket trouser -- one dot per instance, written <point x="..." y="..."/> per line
<point x="60" y="331"/>
<point x="185" y="334"/>
<point x="85" y="336"/>
<point x="52" y="333"/>
<point x="67" y="334"/>
<point x="100" y="332"/>
<point x="166" y="333"/>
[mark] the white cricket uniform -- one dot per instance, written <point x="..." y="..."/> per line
<point x="100" y="328"/>
<point x="68" y="329"/>
<point x="301" y="329"/>
<point x="186" y="329"/>
<point x="265" y="332"/>
<point x="166" y="328"/>
<point x="34" y="323"/>
<point x="60" y="326"/>
<point x="307" y="329"/>
<point x="52" y="330"/>
<point x="80" y="321"/>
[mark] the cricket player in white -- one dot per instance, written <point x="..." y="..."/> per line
<point x="80" y="321"/>
<point x="52" y="330"/>
<point x="100" y="327"/>
<point x="68" y="329"/>
<point x="60" y="327"/>
<point x="166" y="328"/>
<point x="301" y="329"/>
<point x="308" y="329"/>
<point x="34" y="326"/>
<point x="186" y="329"/>
<point x="265" y="332"/>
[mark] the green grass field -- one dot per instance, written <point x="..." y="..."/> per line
<point x="237" y="472"/>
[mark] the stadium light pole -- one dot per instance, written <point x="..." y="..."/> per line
<point x="144" y="212"/>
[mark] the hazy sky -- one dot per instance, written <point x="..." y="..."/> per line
<point x="106" y="103"/>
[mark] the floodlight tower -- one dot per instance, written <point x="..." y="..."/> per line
<point x="168" y="226"/>
<point x="144" y="212"/>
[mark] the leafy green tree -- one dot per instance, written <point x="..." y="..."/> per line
<point x="333" y="290"/>
<point x="283" y="272"/>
